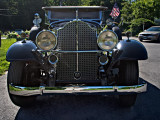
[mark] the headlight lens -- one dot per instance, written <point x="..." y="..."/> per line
<point x="46" y="40"/>
<point x="107" y="40"/>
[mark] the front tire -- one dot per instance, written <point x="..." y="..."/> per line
<point x="15" y="76"/>
<point x="128" y="75"/>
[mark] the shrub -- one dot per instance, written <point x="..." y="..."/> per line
<point x="6" y="33"/>
<point x="13" y="35"/>
<point x="27" y="33"/>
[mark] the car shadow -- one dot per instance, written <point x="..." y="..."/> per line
<point x="93" y="108"/>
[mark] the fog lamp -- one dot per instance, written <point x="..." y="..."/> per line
<point x="103" y="60"/>
<point x="53" y="59"/>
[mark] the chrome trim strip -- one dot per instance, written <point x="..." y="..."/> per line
<point x="61" y="51"/>
<point x="100" y="15"/>
<point x="77" y="37"/>
<point x="70" y="20"/>
<point x="76" y="21"/>
<point x="77" y="14"/>
<point x="28" y="91"/>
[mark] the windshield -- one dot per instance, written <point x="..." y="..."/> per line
<point x="68" y="14"/>
<point x="153" y="29"/>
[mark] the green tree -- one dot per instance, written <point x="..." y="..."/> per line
<point x="139" y="13"/>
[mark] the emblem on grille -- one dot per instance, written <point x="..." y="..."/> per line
<point x="77" y="75"/>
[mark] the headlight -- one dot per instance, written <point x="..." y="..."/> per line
<point x="107" y="40"/>
<point x="46" y="40"/>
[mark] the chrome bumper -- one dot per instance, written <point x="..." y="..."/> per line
<point x="29" y="91"/>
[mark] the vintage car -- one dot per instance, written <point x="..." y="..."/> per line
<point x="152" y="33"/>
<point x="74" y="55"/>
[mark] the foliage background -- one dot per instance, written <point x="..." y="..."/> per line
<point x="134" y="13"/>
<point x="20" y="13"/>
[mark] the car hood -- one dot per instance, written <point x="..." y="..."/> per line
<point x="150" y="32"/>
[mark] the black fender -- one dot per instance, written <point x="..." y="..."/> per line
<point x="33" y="33"/>
<point x="132" y="50"/>
<point x="21" y="50"/>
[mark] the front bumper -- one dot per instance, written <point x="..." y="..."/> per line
<point x="42" y="90"/>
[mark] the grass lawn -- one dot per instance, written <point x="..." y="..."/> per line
<point x="5" y="44"/>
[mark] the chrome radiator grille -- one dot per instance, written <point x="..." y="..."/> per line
<point x="76" y="36"/>
<point x="87" y="39"/>
<point x="67" y="37"/>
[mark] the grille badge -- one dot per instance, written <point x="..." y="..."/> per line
<point x="77" y="75"/>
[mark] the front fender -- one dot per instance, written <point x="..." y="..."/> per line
<point x="132" y="50"/>
<point x="21" y="50"/>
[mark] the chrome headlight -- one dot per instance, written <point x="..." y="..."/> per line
<point x="46" y="40"/>
<point x="107" y="40"/>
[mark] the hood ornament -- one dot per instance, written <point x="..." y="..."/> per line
<point x="128" y="34"/>
<point x="37" y="20"/>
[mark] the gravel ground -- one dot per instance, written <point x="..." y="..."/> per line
<point x="8" y="110"/>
